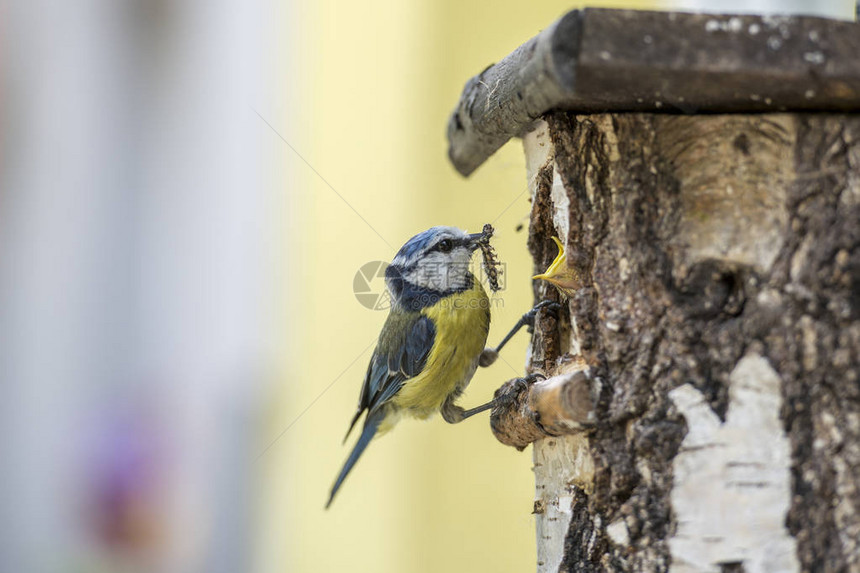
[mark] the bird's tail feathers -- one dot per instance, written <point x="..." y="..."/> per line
<point x="352" y="424"/>
<point x="371" y="424"/>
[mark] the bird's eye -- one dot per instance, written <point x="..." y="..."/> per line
<point x="445" y="245"/>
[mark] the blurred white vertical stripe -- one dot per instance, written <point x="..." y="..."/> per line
<point x="839" y="9"/>
<point x="136" y="265"/>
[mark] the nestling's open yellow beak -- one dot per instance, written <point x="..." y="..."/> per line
<point x="559" y="274"/>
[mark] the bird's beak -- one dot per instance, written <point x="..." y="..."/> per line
<point x="475" y="240"/>
<point x="559" y="274"/>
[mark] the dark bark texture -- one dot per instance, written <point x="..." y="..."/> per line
<point x="699" y="239"/>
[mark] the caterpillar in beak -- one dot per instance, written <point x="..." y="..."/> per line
<point x="491" y="260"/>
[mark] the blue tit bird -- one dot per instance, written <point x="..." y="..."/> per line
<point x="430" y="345"/>
<point x="433" y="339"/>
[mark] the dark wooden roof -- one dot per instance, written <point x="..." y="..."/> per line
<point x="598" y="60"/>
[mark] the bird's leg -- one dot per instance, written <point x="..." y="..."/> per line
<point x="454" y="414"/>
<point x="489" y="355"/>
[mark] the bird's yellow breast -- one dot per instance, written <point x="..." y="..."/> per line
<point x="462" y="321"/>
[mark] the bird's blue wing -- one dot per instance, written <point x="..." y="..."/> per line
<point x="404" y="345"/>
<point x="401" y="353"/>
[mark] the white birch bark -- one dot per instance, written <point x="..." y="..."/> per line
<point x="759" y="480"/>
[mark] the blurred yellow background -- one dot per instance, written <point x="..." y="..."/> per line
<point x="368" y="108"/>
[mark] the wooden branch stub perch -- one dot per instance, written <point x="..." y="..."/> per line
<point x="598" y="60"/>
<point x="556" y="406"/>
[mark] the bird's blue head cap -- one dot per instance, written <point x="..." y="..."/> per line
<point x="432" y="264"/>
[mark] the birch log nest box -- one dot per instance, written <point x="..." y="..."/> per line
<point x="701" y="410"/>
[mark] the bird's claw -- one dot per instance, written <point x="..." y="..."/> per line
<point x="510" y="390"/>
<point x="551" y="306"/>
<point x="533" y="377"/>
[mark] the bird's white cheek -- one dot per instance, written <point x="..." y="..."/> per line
<point x="432" y="273"/>
<point x="441" y="272"/>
